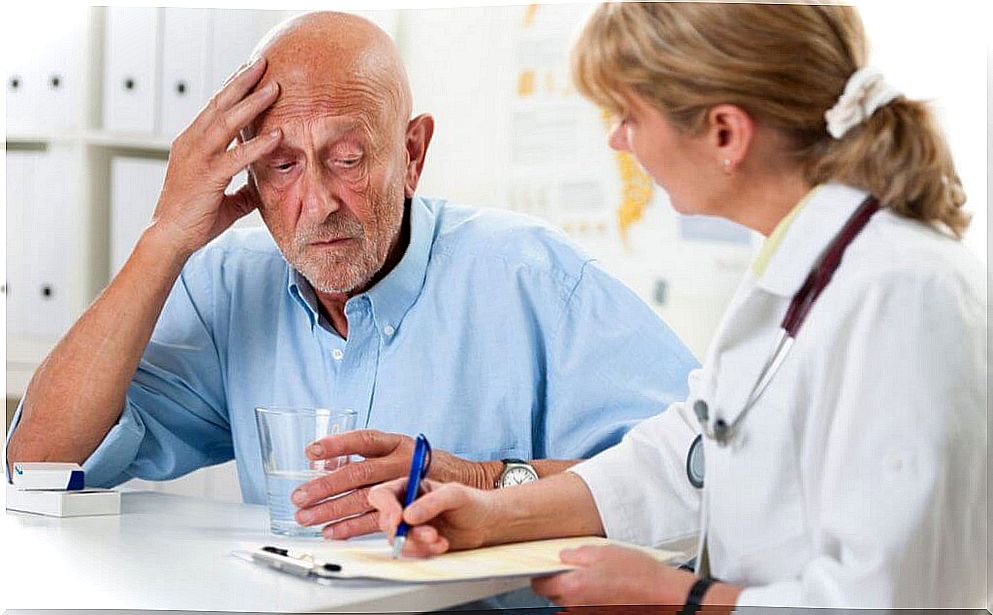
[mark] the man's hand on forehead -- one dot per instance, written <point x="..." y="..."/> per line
<point x="193" y="208"/>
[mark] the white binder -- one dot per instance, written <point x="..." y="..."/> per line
<point x="184" y="63"/>
<point x="21" y="167"/>
<point x="233" y="35"/>
<point x="61" y="71"/>
<point x="131" y="69"/>
<point x="135" y="187"/>
<point x="43" y="247"/>
<point x="22" y="76"/>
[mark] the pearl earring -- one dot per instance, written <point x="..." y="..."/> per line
<point x="726" y="163"/>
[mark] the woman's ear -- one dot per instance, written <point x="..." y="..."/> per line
<point x="419" y="133"/>
<point x="730" y="132"/>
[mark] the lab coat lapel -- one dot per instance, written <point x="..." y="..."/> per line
<point x="807" y="238"/>
<point x="748" y="336"/>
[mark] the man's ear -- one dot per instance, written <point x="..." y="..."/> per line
<point x="419" y="133"/>
<point x="730" y="131"/>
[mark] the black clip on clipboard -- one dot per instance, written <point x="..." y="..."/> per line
<point x="304" y="565"/>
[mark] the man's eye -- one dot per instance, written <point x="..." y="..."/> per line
<point x="347" y="162"/>
<point x="283" y="166"/>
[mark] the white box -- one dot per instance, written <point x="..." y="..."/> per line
<point x="33" y="475"/>
<point x="65" y="503"/>
<point x="131" y="77"/>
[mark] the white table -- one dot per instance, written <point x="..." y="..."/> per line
<point x="169" y="552"/>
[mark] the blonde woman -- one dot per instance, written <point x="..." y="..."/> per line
<point x="832" y="450"/>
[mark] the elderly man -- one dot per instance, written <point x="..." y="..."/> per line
<point x="488" y="332"/>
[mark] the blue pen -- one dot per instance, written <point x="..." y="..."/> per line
<point x="419" y="465"/>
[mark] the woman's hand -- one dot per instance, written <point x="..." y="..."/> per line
<point x="616" y="575"/>
<point x="448" y="517"/>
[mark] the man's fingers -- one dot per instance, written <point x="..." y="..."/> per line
<point x="348" y="477"/>
<point x="239" y="85"/>
<point x="237" y="205"/>
<point x="365" y="442"/>
<point x="355" y="526"/>
<point x="234" y="89"/>
<point x="334" y="510"/>
<point x="244" y="154"/>
<point x="221" y="132"/>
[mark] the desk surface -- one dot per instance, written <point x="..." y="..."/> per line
<point x="168" y="552"/>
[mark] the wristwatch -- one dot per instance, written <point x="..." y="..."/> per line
<point x="516" y="472"/>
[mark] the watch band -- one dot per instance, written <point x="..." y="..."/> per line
<point x="695" y="597"/>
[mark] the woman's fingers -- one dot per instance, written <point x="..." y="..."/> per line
<point x="385" y="498"/>
<point x="424" y="541"/>
<point x="433" y="503"/>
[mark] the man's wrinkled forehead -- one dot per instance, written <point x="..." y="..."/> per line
<point x="344" y="105"/>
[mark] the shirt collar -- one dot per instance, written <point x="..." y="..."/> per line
<point x="807" y="232"/>
<point x="393" y="295"/>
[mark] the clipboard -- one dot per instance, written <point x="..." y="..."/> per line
<point x="524" y="559"/>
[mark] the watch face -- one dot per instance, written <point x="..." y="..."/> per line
<point x="517" y="476"/>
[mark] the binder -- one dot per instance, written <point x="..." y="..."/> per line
<point x="42" y="215"/>
<point x="184" y="64"/>
<point x="135" y="187"/>
<point x="50" y="223"/>
<point x="233" y="35"/>
<point x="61" y="71"/>
<point x="131" y="69"/>
<point x="22" y="77"/>
<point x="20" y="167"/>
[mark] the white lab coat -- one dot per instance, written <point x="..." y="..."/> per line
<point x="859" y="478"/>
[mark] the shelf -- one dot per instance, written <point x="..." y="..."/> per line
<point x="93" y="138"/>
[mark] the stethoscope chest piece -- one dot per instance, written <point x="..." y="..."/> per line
<point x="695" y="463"/>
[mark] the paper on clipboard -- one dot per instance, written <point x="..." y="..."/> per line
<point x="528" y="559"/>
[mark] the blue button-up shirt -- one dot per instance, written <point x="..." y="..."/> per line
<point x="494" y="336"/>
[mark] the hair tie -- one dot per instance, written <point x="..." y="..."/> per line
<point x="865" y="92"/>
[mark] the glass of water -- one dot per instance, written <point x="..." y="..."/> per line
<point x="284" y="433"/>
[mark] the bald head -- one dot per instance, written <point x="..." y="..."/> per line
<point x="336" y="63"/>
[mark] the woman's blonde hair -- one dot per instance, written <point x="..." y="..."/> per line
<point x="784" y="64"/>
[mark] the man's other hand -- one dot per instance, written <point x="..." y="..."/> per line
<point x="386" y="457"/>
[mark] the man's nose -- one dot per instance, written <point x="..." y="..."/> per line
<point x="319" y="199"/>
<point x="618" y="139"/>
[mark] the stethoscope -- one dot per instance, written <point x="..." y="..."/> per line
<point x="817" y="280"/>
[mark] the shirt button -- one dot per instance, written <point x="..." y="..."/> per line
<point x="389" y="330"/>
<point x="337" y="354"/>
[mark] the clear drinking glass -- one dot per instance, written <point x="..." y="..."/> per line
<point x="284" y="433"/>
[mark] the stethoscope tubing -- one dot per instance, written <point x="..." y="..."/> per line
<point x="796" y="314"/>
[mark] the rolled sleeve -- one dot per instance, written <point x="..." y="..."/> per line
<point x="118" y="449"/>
<point x="640" y="486"/>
